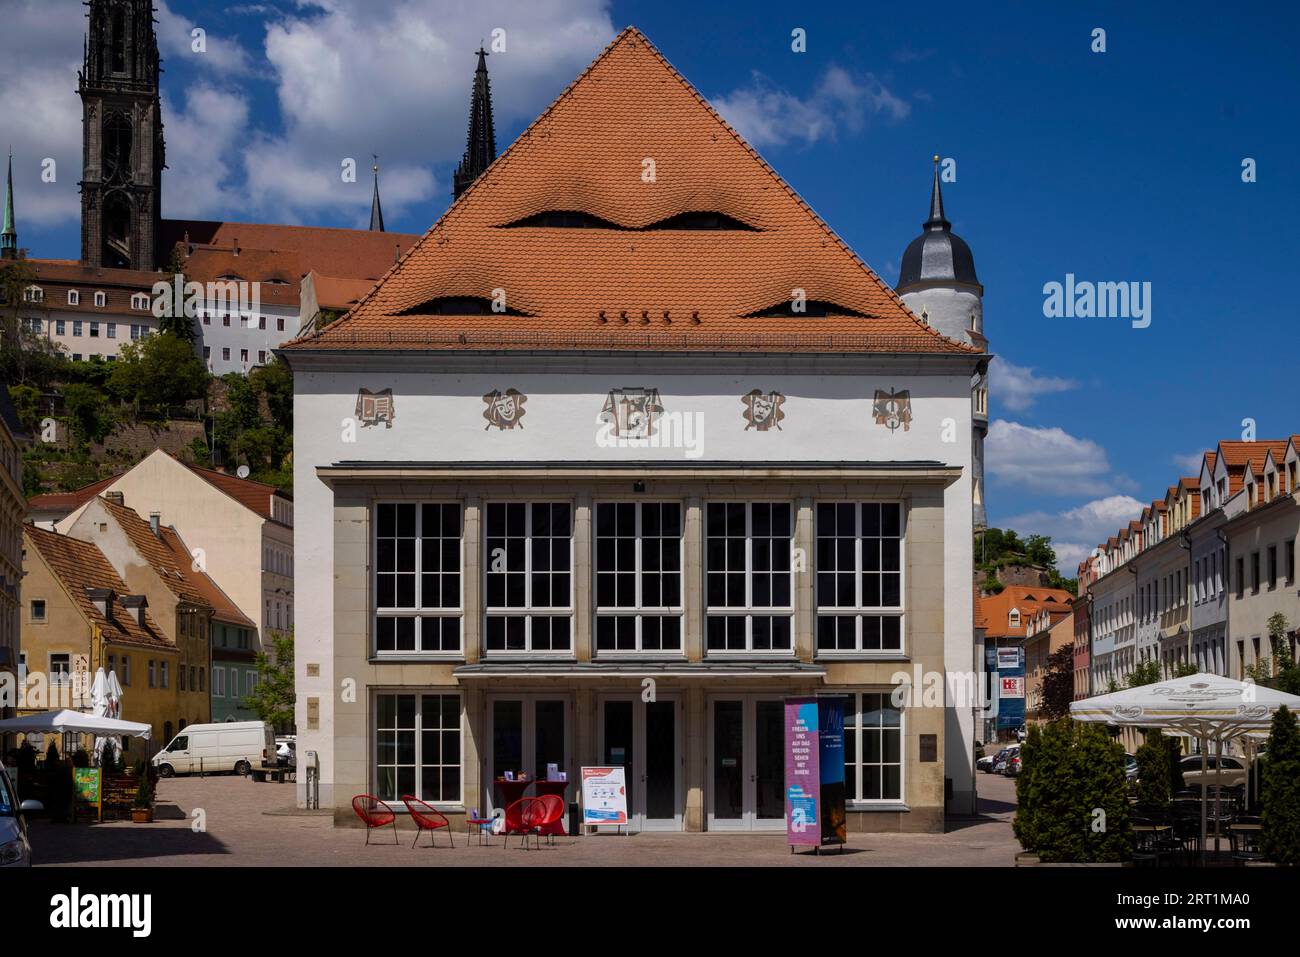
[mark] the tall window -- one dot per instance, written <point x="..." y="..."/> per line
<point x="639" y="576"/>
<point x="417" y="578"/>
<point x="860" y="577"/>
<point x="749" y="581"/>
<point x="417" y="747"/>
<point x="60" y="669"/>
<point x="528" y="560"/>
<point x="873" y="748"/>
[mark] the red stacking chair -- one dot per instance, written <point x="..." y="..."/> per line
<point x="552" y="811"/>
<point x="374" y="813"/>
<point x="426" y="818"/>
<point x="524" y="817"/>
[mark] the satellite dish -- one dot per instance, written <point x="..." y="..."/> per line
<point x="242" y="471"/>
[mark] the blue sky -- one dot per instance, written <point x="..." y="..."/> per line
<point x="1117" y="166"/>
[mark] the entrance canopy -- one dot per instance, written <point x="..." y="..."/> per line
<point x="74" y="722"/>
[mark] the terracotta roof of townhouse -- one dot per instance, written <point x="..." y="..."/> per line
<point x="174" y="563"/>
<point x="996" y="608"/>
<point x="333" y="292"/>
<point x="80" y="565"/>
<point x="623" y="274"/>
<point x="1237" y="455"/>
<point x="289" y="252"/>
<point x="255" y="496"/>
<point x="117" y="285"/>
<point x="69" y="501"/>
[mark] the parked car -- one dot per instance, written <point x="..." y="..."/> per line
<point x="1000" y="766"/>
<point x="985" y="763"/>
<point x="233" y="746"/>
<point x="1012" y="766"/>
<point x="15" y="849"/>
<point x="286" y="752"/>
<point x="1130" y="767"/>
<point x="1233" y="771"/>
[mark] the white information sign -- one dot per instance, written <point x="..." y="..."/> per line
<point x="604" y="796"/>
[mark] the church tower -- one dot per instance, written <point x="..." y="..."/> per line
<point x="937" y="281"/>
<point x="122" y="137"/>
<point x="481" y="146"/>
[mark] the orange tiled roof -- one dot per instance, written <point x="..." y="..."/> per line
<point x="69" y="501"/>
<point x="174" y="563"/>
<point x="996" y="608"/>
<point x="1237" y="455"/>
<point x="628" y="286"/>
<point x="255" y="496"/>
<point x="80" y="565"/>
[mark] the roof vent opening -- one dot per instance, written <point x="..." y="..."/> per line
<point x="814" y="308"/>
<point x="702" y="219"/>
<point x="563" y="219"/>
<point x="460" y="306"/>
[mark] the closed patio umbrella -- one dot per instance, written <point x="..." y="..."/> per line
<point x="1205" y="706"/>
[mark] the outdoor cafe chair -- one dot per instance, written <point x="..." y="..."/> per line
<point x="525" y="817"/>
<point x="1244" y="835"/>
<point x="374" y="813"/>
<point x="426" y="818"/>
<point x="475" y="822"/>
<point x="553" y="811"/>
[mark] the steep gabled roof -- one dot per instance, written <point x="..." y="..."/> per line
<point x="627" y="147"/>
<point x="174" y="564"/>
<point x="80" y="565"/>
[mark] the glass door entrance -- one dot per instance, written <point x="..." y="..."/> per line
<point x="644" y="737"/>
<point x="527" y="734"/>
<point x="746" y="763"/>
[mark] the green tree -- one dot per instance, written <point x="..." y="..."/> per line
<point x="1072" y="799"/>
<point x="1146" y="673"/>
<point x="1153" y="770"/>
<point x="1281" y="792"/>
<point x="157" y="372"/>
<point x="89" y="411"/>
<point x="1058" y="683"/>
<point x="1038" y="549"/>
<point x="273" y="698"/>
<point x="175" y="321"/>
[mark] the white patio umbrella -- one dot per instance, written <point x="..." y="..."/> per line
<point x="103" y="705"/>
<point x="68" y="721"/>
<point x="1205" y="706"/>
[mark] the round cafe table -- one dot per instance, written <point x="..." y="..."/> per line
<point x="509" y="792"/>
<point x="557" y="788"/>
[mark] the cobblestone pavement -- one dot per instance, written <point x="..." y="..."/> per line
<point x="238" y="830"/>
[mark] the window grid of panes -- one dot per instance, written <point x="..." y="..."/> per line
<point x="748" y="576"/>
<point x="859" y="577"/>
<point x="528" y="556"/>
<point x="417" y="578"/>
<point x="638" y="577"/>
<point x="418" y="747"/>
<point x="873" y="748"/>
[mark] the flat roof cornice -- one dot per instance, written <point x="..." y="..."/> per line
<point x="922" y="471"/>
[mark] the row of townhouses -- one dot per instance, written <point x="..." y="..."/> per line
<point x="171" y="576"/>
<point x="1194" y="580"/>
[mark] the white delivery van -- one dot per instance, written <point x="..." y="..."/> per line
<point x="234" y="746"/>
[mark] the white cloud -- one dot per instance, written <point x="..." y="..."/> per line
<point x="351" y="77"/>
<point x="1019" y="387"/>
<point x="40" y="46"/>
<point x="766" y="115"/>
<point x="1075" y="532"/>
<point x="1189" y="464"/>
<point x="1048" y="460"/>
<point x="219" y="53"/>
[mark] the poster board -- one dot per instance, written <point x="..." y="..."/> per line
<point x="87" y="785"/>
<point x="830" y="742"/>
<point x="604" y="796"/>
<point x="802" y="773"/>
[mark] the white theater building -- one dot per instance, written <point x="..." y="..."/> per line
<point x="705" y="459"/>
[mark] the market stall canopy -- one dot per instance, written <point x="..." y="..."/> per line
<point x="1200" y="704"/>
<point x="74" y="722"/>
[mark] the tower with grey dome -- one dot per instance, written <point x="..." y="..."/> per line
<point x="937" y="281"/>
